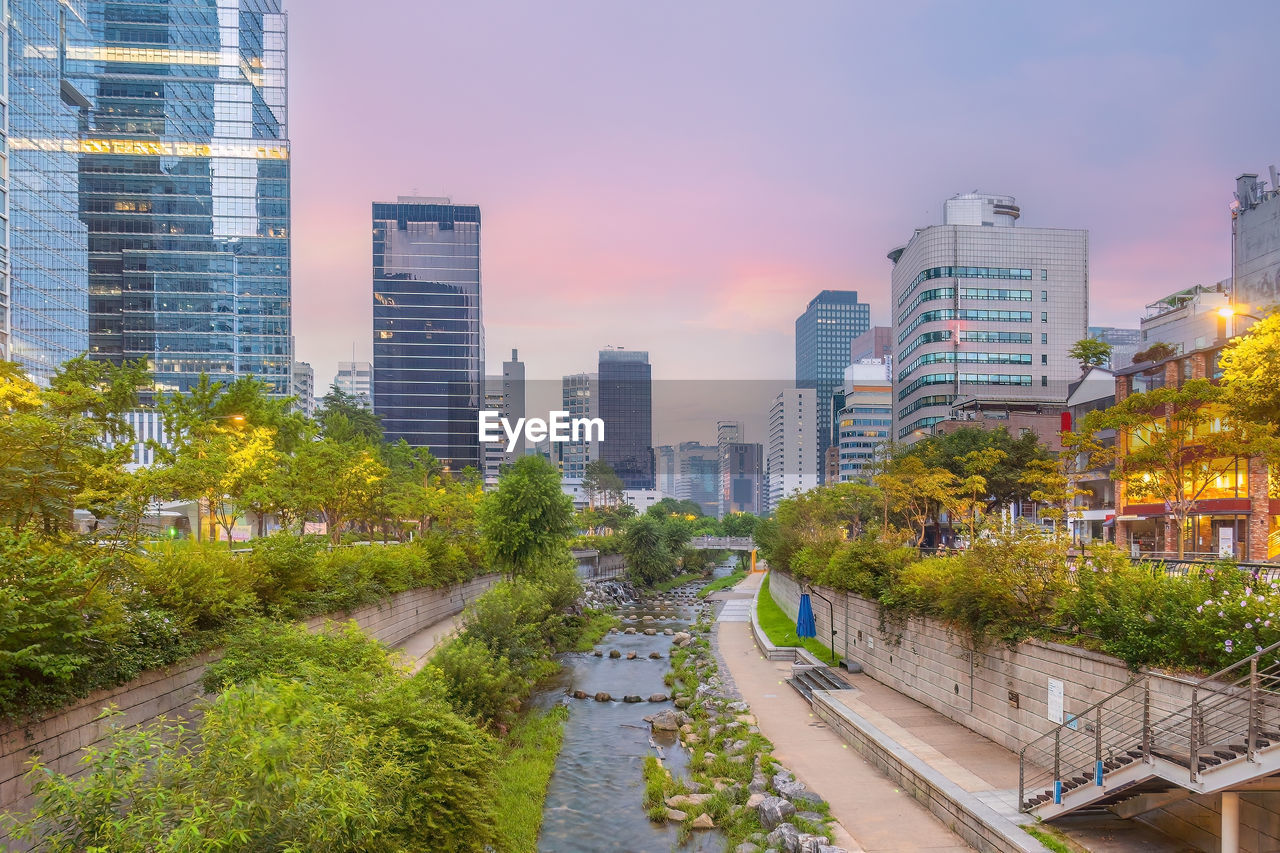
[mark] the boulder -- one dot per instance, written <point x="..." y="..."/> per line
<point x="754" y="801"/>
<point x="680" y="636"/>
<point x="676" y="815"/>
<point x="746" y="847"/>
<point x="703" y="821"/>
<point x="683" y="801"/>
<point x="650" y="632"/>
<point x="614" y="653"/>
<point x="772" y="811"/>
<point x="657" y="697"/>
<point x="631" y="698"/>
<point x="664" y="721"/>
<point x="603" y="697"/>
<point x="579" y="694"/>
<point x="812" y="817"/>
<point x="684" y="702"/>
<point x="629" y="631"/>
<point x="631" y="655"/>
<point x="785" y="837"/>
<point x="655" y="655"/>
<point x="667" y="632"/>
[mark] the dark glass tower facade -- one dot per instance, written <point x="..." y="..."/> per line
<point x="428" y="339"/>
<point x="49" y="243"/>
<point x="824" y="333"/>
<point x="184" y="187"/>
<point x="626" y="407"/>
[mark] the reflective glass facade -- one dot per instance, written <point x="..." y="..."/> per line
<point x="824" y="333"/>
<point x="6" y="314"/>
<point x="184" y="187"/>
<point x="626" y="407"/>
<point x="48" y="243"/>
<point x="428" y="341"/>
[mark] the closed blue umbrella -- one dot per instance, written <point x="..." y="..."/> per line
<point x="805" y="626"/>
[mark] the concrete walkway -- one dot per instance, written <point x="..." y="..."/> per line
<point x="882" y="818"/>
<point x="418" y="647"/>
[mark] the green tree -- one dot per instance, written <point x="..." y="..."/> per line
<point x="739" y="524"/>
<point x="646" y="545"/>
<point x="1251" y="373"/>
<point x="602" y="484"/>
<point x="914" y="492"/>
<point x="337" y="480"/>
<point x="1090" y="352"/>
<point x="527" y="520"/>
<point x="978" y="465"/>
<point x="344" y="417"/>
<point x="1174" y="443"/>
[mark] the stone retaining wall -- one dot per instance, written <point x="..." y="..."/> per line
<point x="172" y="691"/>
<point x="1002" y="693"/>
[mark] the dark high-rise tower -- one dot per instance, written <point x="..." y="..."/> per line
<point x="184" y="187"/>
<point x="626" y="407"/>
<point x="428" y="340"/>
<point x="824" y="333"/>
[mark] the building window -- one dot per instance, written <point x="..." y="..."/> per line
<point x="1044" y="296"/>
<point x="1044" y="338"/>
<point x="1044" y="275"/>
<point x="1044" y="358"/>
<point x="1044" y="381"/>
<point x="1044" y="316"/>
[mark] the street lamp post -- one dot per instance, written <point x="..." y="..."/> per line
<point x="1229" y="313"/>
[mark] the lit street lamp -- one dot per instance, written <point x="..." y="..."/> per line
<point x="1227" y="312"/>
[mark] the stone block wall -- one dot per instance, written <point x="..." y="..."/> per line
<point x="173" y="691"/>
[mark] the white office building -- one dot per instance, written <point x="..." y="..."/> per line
<point x="1187" y="320"/>
<point x="792" y="463"/>
<point x="304" y="388"/>
<point x="580" y="397"/>
<point x="356" y="378"/>
<point x="864" y="425"/>
<point x="984" y="310"/>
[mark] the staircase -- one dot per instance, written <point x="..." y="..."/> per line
<point x="1223" y="732"/>
<point x="806" y="679"/>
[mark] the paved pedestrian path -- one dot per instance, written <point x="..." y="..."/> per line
<point x="418" y="647"/>
<point x="880" y="817"/>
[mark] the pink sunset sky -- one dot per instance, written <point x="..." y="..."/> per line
<point x="683" y="177"/>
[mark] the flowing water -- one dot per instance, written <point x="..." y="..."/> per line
<point x="595" y="800"/>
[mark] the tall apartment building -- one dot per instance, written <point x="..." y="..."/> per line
<point x="428" y="336"/>
<point x="1124" y="344"/>
<point x="697" y="475"/>
<point x="665" y="470"/>
<point x="865" y="423"/>
<point x="304" y="388"/>
<point x="984" y="311"/>
<point x="742" y="466"/>
<point x="493" y="453"/>
<point x="184" y="186"/>
<point x="48" y="259"/>
<point x="1256" y="252"/>
<point x="824" y="334"/>
<point x="727" y="434"/>
<point x="626" y="407"/>
<point x="513" y="402"/>
<point x="355" y="378"/>
<point x="580" y="397"/>
<point x="791" y="465"/>
<point x="6" y="293"/>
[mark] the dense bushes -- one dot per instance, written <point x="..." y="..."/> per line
<point x="508" y="636"/>
<point x="315" y="742"/>
<point x="75" y="618"/>
<point x="1017" y="583"/>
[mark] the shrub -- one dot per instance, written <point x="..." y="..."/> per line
<point x="202" y="584"/>
<point x="53" y="614"/>
<point x="284" y="566"/>
<point x="477" y="682"/>
<point x="866" y="566"/>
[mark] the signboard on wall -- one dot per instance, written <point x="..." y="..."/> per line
<point x="1055" y="701"/>
<point x="1226" y="542"/>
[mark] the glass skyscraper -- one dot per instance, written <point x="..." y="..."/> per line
<point x="184" y="187"/>
<point x="6" y="314"/>
<point x="626" y="406"/>
<point x="48" y="241"/>
<point x="428" y="340"/>
<point x="824" y="333"/>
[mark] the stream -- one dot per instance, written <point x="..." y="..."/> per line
<point x="594" y="802"/>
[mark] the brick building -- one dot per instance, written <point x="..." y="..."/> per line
<point x="1238" y="510"/>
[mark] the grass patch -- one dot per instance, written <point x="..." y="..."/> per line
<point x="678" y="580"/>
<point x="781" y="628"/>
<point x="521" y="777"/>
<point x="1048" y="839"/>
<point x="595" y="624"/>
<point x="724" y="583"/>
